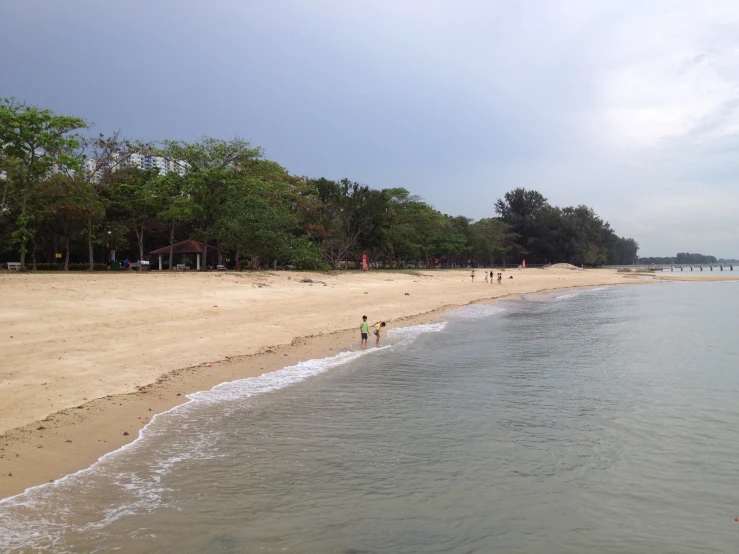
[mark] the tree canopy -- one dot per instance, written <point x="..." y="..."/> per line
<point x="88" y="197"/>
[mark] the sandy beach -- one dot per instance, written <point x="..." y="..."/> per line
<point x="88" y="359"/>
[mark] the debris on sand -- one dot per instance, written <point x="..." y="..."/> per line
<point x="313" y="281"/>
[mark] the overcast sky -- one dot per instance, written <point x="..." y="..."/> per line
<point x="631" y="107"/>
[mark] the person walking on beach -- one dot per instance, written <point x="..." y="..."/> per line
<point x="378" y="326"/>
<point x="492" y="277"/>
<point x="500" y="278"/>
<point x="473" y="275"/>
<point x="364" y="331"/>
<point x="486" y="277"/>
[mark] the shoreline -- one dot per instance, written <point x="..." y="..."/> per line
<point x="76" y="442"/>
<point x="73" y="439"/>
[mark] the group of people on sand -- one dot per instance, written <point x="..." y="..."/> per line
<point x="492" y="277"/>
<point x="364" y="331"/>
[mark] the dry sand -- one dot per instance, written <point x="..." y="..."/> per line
<point x="87" y="359"/>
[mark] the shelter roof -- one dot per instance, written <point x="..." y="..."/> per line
<point x="187" y="247"/>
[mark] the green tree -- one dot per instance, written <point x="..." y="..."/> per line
<point x="400" y="235"/>
<point x="36" y="139"/>
<point x="99" y="158"/>
<point x="175" y="206"/>
<point x="490" y="239"/>
<point x="260" y="224"/>
<point x="429" y="226"/>
<point x="211" y="167"/>
<point x="135" y="199"/>
<point x="529" y="215"/>
<point x="67" y="203"/>
<point x="346" y="213"/>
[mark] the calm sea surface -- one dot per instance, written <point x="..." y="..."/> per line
<point x="586" y="421"/>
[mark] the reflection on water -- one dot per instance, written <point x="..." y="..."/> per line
<point x="596" y="421"/>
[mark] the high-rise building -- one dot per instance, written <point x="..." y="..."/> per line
<point x="178" y="166"/>
<point x="57" y="169"/>
<point x="147" y="161"/>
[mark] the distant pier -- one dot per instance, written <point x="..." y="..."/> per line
<point x="689" y="267"/>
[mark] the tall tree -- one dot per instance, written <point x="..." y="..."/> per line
<point x="211" y="166"/>
<point x="99" y="157"/>
<point x="490" y="239"/>
<point x="134" y="199"/>
<point x="529" y="214"/>
<point x="37" y="139"/>
<point x="175" y="206"/>
<point x="68" y="205"/>
<point x="260" y="224"/>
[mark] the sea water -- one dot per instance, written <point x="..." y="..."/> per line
<point x="588" y="420"/>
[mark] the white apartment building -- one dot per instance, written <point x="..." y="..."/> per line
<point x="147" y="161"/>
<point x="142" y="161"/>
<point x="178" y="166"/>
<point x="57" y="169"/>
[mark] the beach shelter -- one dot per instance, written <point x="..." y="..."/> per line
<point x="189" y="247"/>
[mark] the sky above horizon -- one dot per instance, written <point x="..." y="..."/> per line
<point x="630" y="107"/>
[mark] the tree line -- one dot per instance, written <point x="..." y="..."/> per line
<point x="681" y="258"/>
<point x="64" y="193"/>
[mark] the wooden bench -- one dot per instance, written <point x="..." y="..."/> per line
<point x="14" y="266"/>
<point x="221" y="267"/>
<point x="182" y="267"/>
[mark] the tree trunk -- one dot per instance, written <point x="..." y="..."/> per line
<point x="33" y="255"/>
<point x="238" y="261"/>
<point x="90" y="251"/>
<point x="23" y="218"/>
<point x="205" y="253"/>
<point x="66" y="254"/>
<point x="171" y="246"/>
<point x="140" y="239"/>
<point x="5" y="192"/>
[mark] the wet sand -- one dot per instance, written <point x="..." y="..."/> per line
<point x="87" y="360"/>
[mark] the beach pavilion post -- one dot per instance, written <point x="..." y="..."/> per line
<point x="185" y="248"/>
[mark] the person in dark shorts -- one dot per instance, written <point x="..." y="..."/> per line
<point x="364" y="331"/>
<point x="378" y="326"/>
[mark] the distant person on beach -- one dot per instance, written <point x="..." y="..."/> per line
<point x="500" y="278"/>
<point x="473" y="275"/>
<point x="364" y="330"/>
<point x="492" y="277"/>
<point x="486" y="277"/>
<point x="378" y="326"/>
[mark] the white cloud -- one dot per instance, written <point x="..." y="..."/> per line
<point x="673" y="69"/>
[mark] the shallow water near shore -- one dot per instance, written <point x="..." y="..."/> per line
<point x="593" y="420"/>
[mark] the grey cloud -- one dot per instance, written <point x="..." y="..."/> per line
<point x="459" y="102"/>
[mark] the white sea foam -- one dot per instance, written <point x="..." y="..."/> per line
<point x="579" y="292"/>
<point x="567" y="296"/>
<point x="474" y="311"/>
<point x="36" y="518"/>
